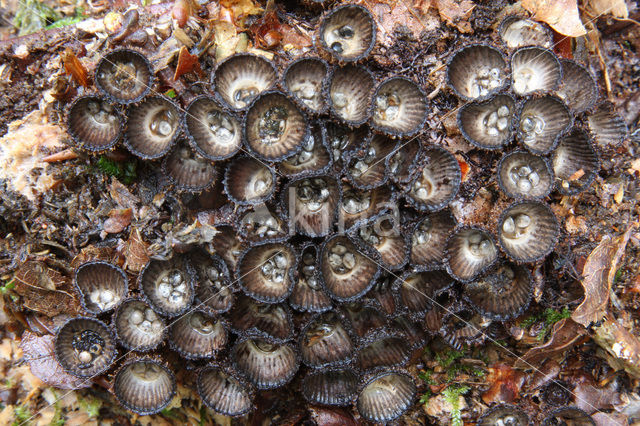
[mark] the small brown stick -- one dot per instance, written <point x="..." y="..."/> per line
<point x="64" y="155"/>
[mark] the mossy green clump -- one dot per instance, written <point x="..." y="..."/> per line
<point x="125" y="172"/>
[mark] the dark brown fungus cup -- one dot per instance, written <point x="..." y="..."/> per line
<point x="324" y="341"/>
<point x="304" y="80"/>
<point x="358" y="206"/>
<point x="386" y="395"/>
<point x="152" y="127"/>
<point x="168" y="285"/>
<point x="463" y="326"/>
<point x="102" y="285"/>
<point x="330" y="386"/>
<point x="248" y="181"/>
<point x="541" y="123"/>
<point x="568" y="416"/>
<point x="214" y="292"/>
<point x="124" y="75"/>
<point x="399" y="107"/>
<point x="439" y="182"/>
<point x="85" y="347"/>
<point x="262" y="223"/>
<point x="214" y="132"/>
<point x="502" y="294"/>
<point x="429" y="239"/>
<point x="504" y="414"/>
<point x="342" y="141"/>
<point x="575" y="163"/>
<point x="402" y="164"/>
<point x="383" y="233"/>
<point x="273" y="321"/>
<point x="477" y="72"/>
<point x="528" y="231"/>
<point x="187" y="170"/>
<point x="488" y="124"/>
<point x="470" y="252"/>
<point x="314" y="157"/>
<point x="534" y="70"/>
<point x="606" y="125"/>
<point x="516" y="31"/>
<point x="312" y="203"/>
<point x="363" y="318"/>
<point x="94" y="124"/>
<point x="383" y="349"/>
<point x="138" y="327"/>
<point x="274" y="127"/>
<point x="222" y="390"/>
<point x="579" y="90"/>
<point x="144" y="386"/>
<point x="349" y="93"/>
<point x="366" y="168"/>
<point x="308" y="294"/>
<point x="524" y="175"/>
<point x="265" y="272"/>
<point x="347" y="33"/>
<point x="416" y="291"/>
<point x="347" y="273"/>
<point x="265" y="364"/>
<point x="197" y="335"/>
<point x="414" y="332"/>
<point x="240" y="78"/>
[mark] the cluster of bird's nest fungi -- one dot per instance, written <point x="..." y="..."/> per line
<point x="342" y="239"/>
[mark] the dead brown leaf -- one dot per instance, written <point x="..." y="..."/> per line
<point x="187" y="63"/>
<point x="118" y="220"/>
<point x="617" y="8"/>
<point x="456" y="13"/>
<point x="590" y="396"/>
<point x="598" y="274"/>
<point x="564" y="335"/>
<point x="562" y="15"/>
<point x="135" y="252"/>
<point x="44" y="290"/>
<point x="389" y="15"/>
<point x="505" y="384"/>
<point x="74" y="68"/>
<point x="267" y="31"/>
<point x="39" y="354"/>
<point x="330" y="416"/>
<point x="621" y="345"/>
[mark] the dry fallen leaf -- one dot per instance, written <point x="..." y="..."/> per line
<point x="621" y="345"/>
<point x="135" y="252"/>
<point x="187" y="63"/>
<point x="562" y="15"/>
<point x="44" y="290"/>
<point x="505" y="384"/>
<point x="118" y="220"/>
<point x="456" y="13"/>
<point x="598" y="274"/>
<point x="617" y="8"/>
<point x="74" y="68"/>
<point x="39" y="354"/>
<point x="564" y="335"/>
<point x="390" y="15"/>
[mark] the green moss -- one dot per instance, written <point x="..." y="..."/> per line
<point x="125" y="172"/>
<point x="7" y="287"/>
<point x="548" y="317"/>
<point x="69" y="20"/>
<point x="23" y="415"/>
<point x="446" y="358"/>
<point x="91" y="406"/>
<point x="33" y="16"/>
<point x="452" y="396"/>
